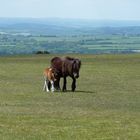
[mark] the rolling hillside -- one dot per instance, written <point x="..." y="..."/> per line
<point x="26" y="36"/>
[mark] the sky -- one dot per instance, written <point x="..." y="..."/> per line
<point x="79" y="9"/>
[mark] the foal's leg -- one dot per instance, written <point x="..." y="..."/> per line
<point x="45" y="88"/>
<point x="45" y="82"/>
<point x="73" y="86"/>
<point x="52" y="86"/>
<point x="64" y="84"/>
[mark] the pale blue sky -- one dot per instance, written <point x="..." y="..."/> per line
<point x="91" y="9"/>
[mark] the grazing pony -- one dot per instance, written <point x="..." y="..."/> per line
<point x="66" y="67"/>
<point x="49" y="76"/>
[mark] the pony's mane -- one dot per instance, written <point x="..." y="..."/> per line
<point x="69" y="58"/>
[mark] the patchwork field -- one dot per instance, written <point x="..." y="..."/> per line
<point x="105" y="106"/>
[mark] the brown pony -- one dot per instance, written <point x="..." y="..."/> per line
<point x="49" y="76"/>
<point x="66" y="67"/>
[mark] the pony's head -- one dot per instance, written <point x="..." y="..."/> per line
<point x="76" y="67"/>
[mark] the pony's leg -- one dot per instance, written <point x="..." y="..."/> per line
<point x="73" y="86"/>
<point x="64" y="84"/>
<point x="57" y="84"/>
<point x="52" y="86"/>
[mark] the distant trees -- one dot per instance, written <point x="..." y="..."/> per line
<point x="42" y="52"/>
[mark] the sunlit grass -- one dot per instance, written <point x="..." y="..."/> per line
<point x="105" y="105"/>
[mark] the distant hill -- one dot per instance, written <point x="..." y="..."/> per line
<point x="54" y="35"/>
<point x="68" y="26"/>
<point x="69" y="22"/>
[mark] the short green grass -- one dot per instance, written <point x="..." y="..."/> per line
<point x="105" y="106"/>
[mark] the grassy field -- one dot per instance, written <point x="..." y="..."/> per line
<point x="105" y="106"/>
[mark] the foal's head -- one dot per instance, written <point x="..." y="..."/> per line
<point x="53" y="74"/>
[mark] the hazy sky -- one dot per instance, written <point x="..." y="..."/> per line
<point x="91" y="9"/>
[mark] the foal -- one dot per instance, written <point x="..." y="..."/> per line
<point x="49" y="76"/>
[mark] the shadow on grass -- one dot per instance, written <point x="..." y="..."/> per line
<point x="82" y="91"/>
<point x="71" y="92"/>
<point x="79" y="91"/>
<point x="86" y="91"/>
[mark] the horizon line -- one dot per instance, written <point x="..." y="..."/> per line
<point x="62" y="18"/>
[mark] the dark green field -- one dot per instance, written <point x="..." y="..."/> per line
<point x="84" y="44"/>
<point x="105" y="106"/>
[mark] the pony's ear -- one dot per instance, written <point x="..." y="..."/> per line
<point x="79" y="63"/>
<point x="74" y="61"/>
